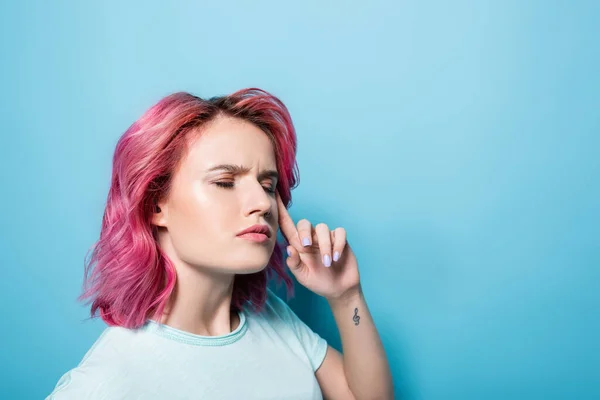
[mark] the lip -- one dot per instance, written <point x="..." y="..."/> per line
<point x="254" y="237"/>
<point x="256" y="230"/>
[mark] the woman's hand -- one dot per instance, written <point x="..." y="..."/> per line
<point x="320" y="259"/>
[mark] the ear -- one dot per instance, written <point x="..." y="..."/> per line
<point x="159" y="214"/>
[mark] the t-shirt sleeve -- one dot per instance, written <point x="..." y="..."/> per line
<point x="88" y="380"/>
<point x="88" y="383"/>
<point x="75" y="385"/>
<point x="312" y="343"/>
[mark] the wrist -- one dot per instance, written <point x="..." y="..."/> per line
<point x="348" y="297"/>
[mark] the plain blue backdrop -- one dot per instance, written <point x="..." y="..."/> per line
<point x="457" y="142"/>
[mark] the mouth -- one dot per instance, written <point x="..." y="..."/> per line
<point x="256" y="233"/>
<point x="255" y="237"/>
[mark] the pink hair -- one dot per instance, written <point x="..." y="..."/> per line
<point x="128" y="278"/>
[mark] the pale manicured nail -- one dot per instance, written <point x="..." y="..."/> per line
<point x="306" y="242"/>
<point x="327" y="260"/>
<point x="336" y="256"/>
<point x="289" y="252"/>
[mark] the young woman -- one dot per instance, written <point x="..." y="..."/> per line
<point x="188" y="242"/>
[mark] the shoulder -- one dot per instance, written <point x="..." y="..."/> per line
<point x="277" y="310"/>
<point x="97" y="373"/>
<point x="274" y="303"/>
<point x="295" y="331"/>
<point x="277" y="315"/>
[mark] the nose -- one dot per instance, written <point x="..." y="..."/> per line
<point x="256" y="199"/>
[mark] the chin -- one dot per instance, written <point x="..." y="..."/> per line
<point x="252" y="267"/>
<point x="245" y="270"/>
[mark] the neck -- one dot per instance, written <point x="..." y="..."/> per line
<point x="201" y="301"/>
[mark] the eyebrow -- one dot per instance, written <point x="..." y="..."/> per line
<point x="240" y="169"/>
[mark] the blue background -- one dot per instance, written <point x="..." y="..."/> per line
<point x="457" y="142"/>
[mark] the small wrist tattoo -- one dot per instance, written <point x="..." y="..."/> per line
<point x="356" y="318"/>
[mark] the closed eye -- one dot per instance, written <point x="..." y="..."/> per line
<point x="229" y="185"/>
<point x="224" y="184"/>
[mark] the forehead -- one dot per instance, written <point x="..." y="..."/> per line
<point x="231" y="140"/>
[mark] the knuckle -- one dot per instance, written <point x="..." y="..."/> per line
<point x="304" y="223"/>
<point x="322" y="226"/>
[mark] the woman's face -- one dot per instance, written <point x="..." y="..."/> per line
<point x="209" y="203"/>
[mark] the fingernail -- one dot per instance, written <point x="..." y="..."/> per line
<point x="289" y="252"/>
<point x="306" y="242"/>
<point x="336" y="256"/>
<point x="327" y="260"/>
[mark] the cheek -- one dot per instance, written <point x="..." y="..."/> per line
<point x="203" y="217"/>
<point x="212" y="217"/>
<point x="203" y="236"/>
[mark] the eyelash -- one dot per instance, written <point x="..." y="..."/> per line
<point x="229" y="185"/>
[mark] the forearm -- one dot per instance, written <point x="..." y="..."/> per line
<point x="365" y="363"/>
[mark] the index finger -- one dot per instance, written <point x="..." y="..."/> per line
<point x="286" y="224"/>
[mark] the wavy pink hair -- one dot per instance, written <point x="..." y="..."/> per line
<point x="128" y="278"/>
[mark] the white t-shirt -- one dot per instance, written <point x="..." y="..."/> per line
<point x="270" y="355"/>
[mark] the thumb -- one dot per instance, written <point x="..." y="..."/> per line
<point x="293" y="260"/>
